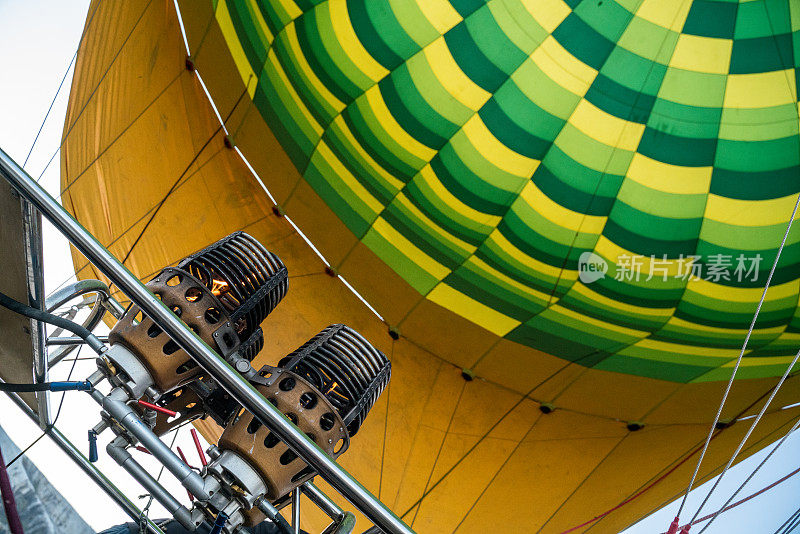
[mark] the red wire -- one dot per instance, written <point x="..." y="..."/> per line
<point x="640" y="492"/>
<point x="737" y="503"/>
<point x="199" y="448"/>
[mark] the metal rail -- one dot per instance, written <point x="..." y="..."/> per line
<point x="99" y="478"/>
<point x="205" y="357"/>
<point x="32" y="232"/>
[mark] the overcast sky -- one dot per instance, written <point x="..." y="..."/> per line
<point x="37" y="40"/>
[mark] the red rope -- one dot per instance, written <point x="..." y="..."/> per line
<point x="737" y="503"/>
<point x="640" y="492"/>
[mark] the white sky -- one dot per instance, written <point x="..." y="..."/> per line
<point x="37" y="41"/>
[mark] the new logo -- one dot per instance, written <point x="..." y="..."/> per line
<point x="591" y="267"/>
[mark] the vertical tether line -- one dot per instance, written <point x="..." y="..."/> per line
<point x="739" y="359"/>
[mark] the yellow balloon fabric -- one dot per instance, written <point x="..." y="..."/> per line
<point x="146" y="168"/>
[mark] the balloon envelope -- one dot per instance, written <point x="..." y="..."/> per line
<point x="454" y="162"/>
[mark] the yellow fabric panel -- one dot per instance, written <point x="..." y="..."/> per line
<point x="749" y="212"/>
<point x="760" y="90"/>
<point x="480" y="445"/>
<point x="562" y="67"/>
<point x="665" y="13"/>
<point x="681" y="180"/>
<point x="473" y="310"/>
<point x="226" y="24"/>
<point x="548" y="13"/>
<point x="702" y="54"/>
<point x="452" y="77"/>
<point x="605" y="128"/>
<point x="485" y="143"/>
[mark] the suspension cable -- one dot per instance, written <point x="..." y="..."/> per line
<point x="60" y="85"/>
<point x="739" y="359"/>
<point x="747" y="435"/>
<point x="747" y="480"/>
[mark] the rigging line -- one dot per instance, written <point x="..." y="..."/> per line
<point x="746" y="499"/>
<point x="439" y="452"/>
<point x="749" y="430"/>
<point x="662" y="477"/>
<point x="55" y="420"/>
<point x="385" y="423"/>
<point x="52" y="102"/>
<point x="791" y="528"/>
<point x="792" y="517"/>
<point x="755" y="447"/>
<point x="739" y="359"/>
<point x="121" y="133"/>
<point x="177" y="182"/>
<point x="584" y="480"/>
<point x="497" y="473"/>
<point x="133" y="224"/>
<point x="94" y="91"/>
<point x="724" y="507"/>
<point x="641" y="491"/>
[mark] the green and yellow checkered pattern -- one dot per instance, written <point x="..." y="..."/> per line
<point x="479" y="148"/>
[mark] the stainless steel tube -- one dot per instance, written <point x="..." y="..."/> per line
<point x="71" y="340"/>
<point x="128" y="418"/>
<point x="32" y="229"/>
<point x="205" y="357"/>
<point x="97" y="477"/>
<point x="158" y="492"/>
<point x="323" y="501"/>
<point x="296" y="511"/>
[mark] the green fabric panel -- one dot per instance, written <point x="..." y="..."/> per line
<point x="358" y="165"/>
<point x="417" y="277"/>
<point x="353" y="212"/>
<point x="380" y="32"/>
<point x="583" y="41"/>
<point x="711" y="18"/>
<point x="483" y="51"/>
<point x="460" y="205"/>
<point x="323" y="112"/>
<point x="446" y="217"/>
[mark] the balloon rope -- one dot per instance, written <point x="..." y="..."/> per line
<point x="63" y="79"/>
<point x="725" y="507"/>
<point x="638" y="493"/>
<point x="742" y="501"/>
<point x="747" y="435"/>
<point x="739" y="360"/>
<point x="94" y="91"/>
<point x="789" y="524"/>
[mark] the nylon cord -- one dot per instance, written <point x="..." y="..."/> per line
<point x="749" y="432"/>
<point x="747" y="480"/>
<point x="63" y="79"/>
<point x="94" y="91"/>
<point x="739" y="359"/>
<point x="58" y="413"/>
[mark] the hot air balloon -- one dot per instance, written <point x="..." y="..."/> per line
<point x="557" y="216"/>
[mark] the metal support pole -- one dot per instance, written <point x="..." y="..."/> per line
<point x="97" y="477"/>
<point x="71" y="341"/>
<point x="206" y="358"/>
<point x="323" y="501"/>
<point x="158" y="492"/>
<point x="114" y="404"/>
<point x="32" y="230"/>
<point x="296" y="511"/>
